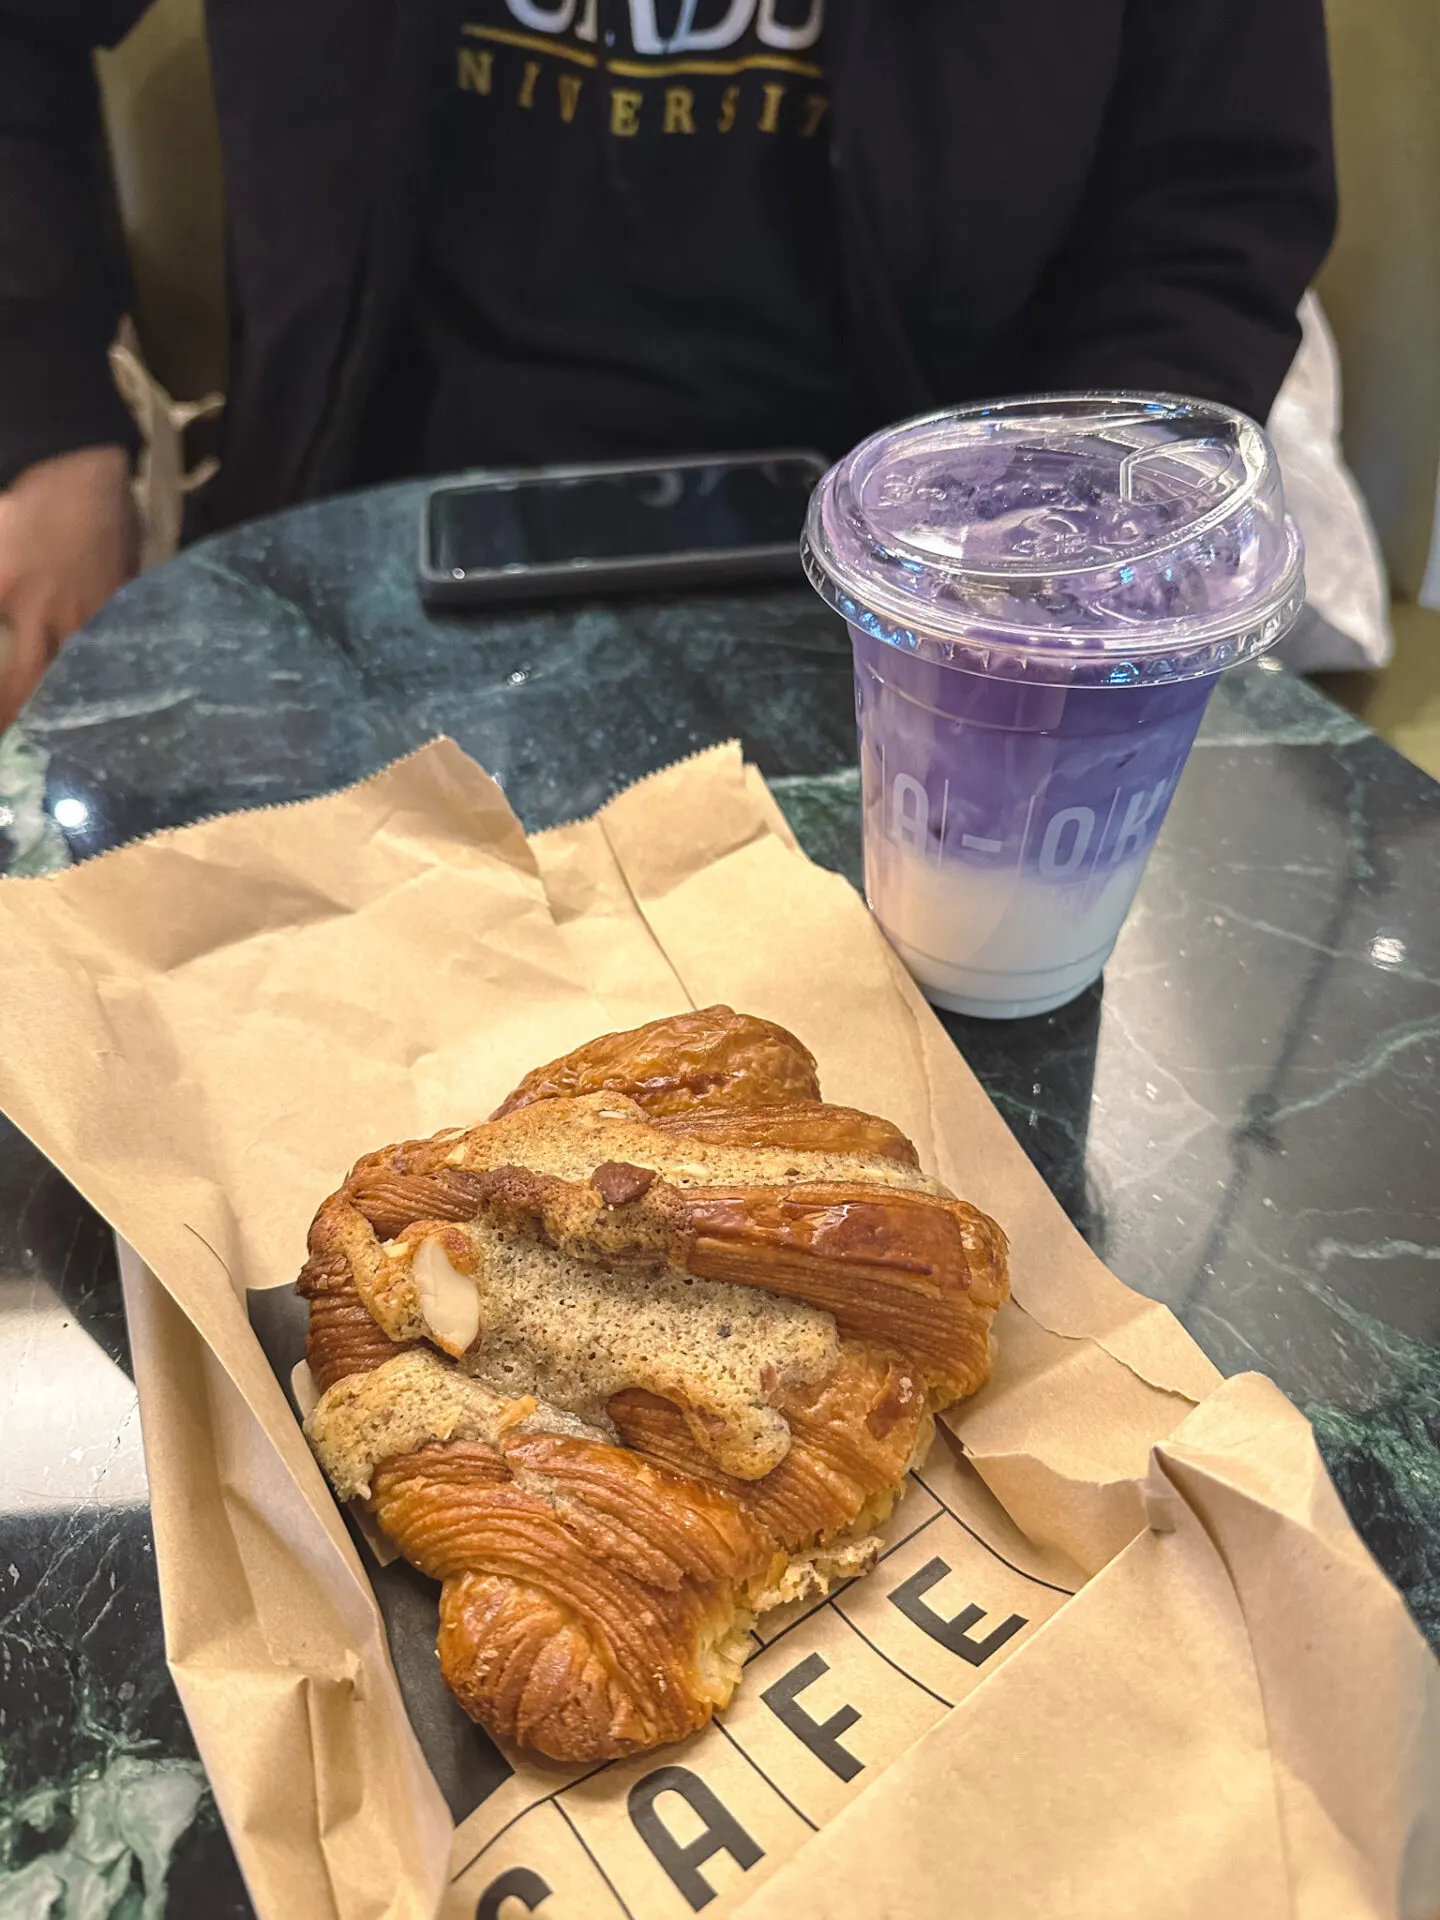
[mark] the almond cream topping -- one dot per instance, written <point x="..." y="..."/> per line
<point x="527" y="1319"/>
<point x="395" y="1408"/>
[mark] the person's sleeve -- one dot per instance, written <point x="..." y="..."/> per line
<point x="63" y="278"/>
<point x="1209" y="208"/>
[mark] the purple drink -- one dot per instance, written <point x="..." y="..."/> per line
<point x="1040" y="594"/>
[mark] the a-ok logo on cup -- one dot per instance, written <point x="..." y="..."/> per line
<point x="1065" y="844"/>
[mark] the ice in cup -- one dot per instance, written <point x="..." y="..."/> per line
<point x="1040" y="594"/>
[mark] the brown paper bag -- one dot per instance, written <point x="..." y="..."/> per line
<point x="1123" y="1653"/>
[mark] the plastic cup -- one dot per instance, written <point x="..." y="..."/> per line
<point x="1041" y="594"/>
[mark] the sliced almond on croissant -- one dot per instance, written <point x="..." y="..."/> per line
<point x="449" y="1300"/>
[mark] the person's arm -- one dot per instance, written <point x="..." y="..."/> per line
<point x="65" y="435"/>
<point x="1209" y="208"/>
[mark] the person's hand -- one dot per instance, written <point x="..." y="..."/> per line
<point x="67" y="541"/>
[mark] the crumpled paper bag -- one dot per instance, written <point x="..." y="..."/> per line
<point x="1123" y="1653"/>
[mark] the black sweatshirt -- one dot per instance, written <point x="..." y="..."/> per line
<point x="1030" y="196"/>
<point x="660" y="273"/>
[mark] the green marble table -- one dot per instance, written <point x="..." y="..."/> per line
<point x="1244" y="1118"/>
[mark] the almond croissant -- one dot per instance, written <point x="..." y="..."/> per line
<point x="645" y="1354"/>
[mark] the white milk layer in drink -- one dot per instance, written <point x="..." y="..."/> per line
<point x="995" y="942"/>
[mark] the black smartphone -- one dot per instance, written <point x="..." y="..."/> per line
<point x="531" y="534"/>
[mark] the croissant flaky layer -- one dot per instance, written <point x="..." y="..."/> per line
<point x="648" y="1352"/>
<point x="711" y="1058"/>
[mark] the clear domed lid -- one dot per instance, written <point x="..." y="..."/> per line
<point x="1117" y="538"/>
